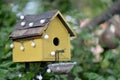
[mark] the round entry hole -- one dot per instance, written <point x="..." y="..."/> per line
<point x="56" y="41"/>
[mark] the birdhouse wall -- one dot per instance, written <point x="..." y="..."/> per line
<point x="42" y="37"/>
<point x="59" y="39"/>
<point x="29" y="53"/>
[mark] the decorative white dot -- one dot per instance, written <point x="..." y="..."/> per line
<point x="20" y="75"/>
<point x="53" y="53"/>
<point x="12" y="45"/>
<point x="42" y="21"/>
<point x="39" y="77"/>
<point x="31" y="24"/>
<point x="22" y="48"/>
<point x="22" y="23"/>
<point x="22" y="17"/>
<point x="46" y="36"/>
<point x="48" y="70"/>
<point x="33" y="44"/>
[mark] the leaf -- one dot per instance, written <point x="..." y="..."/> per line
<point x="91" y="76"/>
<point x="111" y="78"/>
<point x="1" y="78"/>
<point x="5" y="56"/>
<point x="63" y="77"/>
<point x="6" y="64"/>
<point x="77" y="69"/>
<point x="110" y="55"/>
<point x="100" y="78"/>
<point x="105" y="64"/>
<point x="28" y="76"/>
<point x="2" y="75"/>
<point x="77" y="78"/>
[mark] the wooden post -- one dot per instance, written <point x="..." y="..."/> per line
<point x="27" y="67"/>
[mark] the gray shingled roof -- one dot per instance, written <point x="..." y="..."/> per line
<point x="33" y="25"/>
<point x="35" y="19"/>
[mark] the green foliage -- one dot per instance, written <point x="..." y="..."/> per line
<point x="8" y="69"/>
<point x="87" y="69"/>
<point x="106" y="69"/>
<point x="61" y="5"/>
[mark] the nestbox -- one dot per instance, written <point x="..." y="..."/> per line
<point x="40" y="37"/>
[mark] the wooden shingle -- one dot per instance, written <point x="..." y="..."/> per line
<point x="34" y="25"/>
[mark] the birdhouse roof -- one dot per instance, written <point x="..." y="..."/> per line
<point x="34" y="25"/>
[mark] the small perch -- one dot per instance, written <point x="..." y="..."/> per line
<point x="61" y="68"/>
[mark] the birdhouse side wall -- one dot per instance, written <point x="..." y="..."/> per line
<point x="59" y="40"/>
<point x="29" y="53"/>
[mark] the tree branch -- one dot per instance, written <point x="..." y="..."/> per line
<point x="106" y="15"/>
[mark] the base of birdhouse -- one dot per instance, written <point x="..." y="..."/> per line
<point x="61" y="68"/>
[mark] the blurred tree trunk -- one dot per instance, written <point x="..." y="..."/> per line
<point x="107" y="14"/>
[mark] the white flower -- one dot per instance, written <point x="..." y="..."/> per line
<point x="39" y="77"/>
<point x="48" y="70"/>
<point x="20" y="75"/>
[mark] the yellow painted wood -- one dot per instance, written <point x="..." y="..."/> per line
<point x="58" y="12"/>
<point x="56" y="30"/>
<point x="30" y="53"/>
<point x="44" y="47"/>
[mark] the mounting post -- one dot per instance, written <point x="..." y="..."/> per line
<point x="27" y="67"/>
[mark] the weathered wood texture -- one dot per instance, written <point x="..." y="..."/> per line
<point x="26" y="33"/>
<point x="38" y="25"/>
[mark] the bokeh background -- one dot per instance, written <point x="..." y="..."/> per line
<point x="90" y="66"/>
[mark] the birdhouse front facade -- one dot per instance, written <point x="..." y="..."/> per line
<point x="44" y="37"/>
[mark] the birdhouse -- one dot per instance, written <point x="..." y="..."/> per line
<point x="42" y="37"/>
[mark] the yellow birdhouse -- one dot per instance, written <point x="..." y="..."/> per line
<point x="42" y="37"/>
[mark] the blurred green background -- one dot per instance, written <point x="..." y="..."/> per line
<point x="108" y="68"/>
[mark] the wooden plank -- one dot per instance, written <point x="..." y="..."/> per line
<point x="26" y="33"/>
